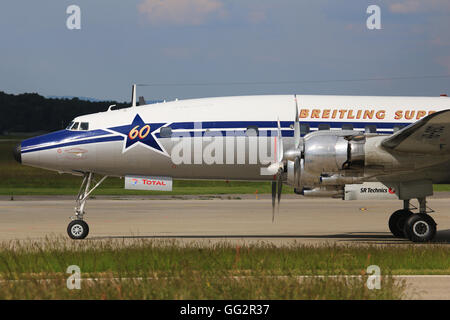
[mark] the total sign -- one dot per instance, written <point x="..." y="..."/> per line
<point x="148" y="183"/>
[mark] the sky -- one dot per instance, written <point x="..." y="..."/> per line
<point x="230" y="47"/>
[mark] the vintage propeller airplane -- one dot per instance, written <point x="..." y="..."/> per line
<point x="320" y="145"/>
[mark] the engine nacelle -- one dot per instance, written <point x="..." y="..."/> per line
<point x="326" y="152"/>
<point x="333" y="151"/>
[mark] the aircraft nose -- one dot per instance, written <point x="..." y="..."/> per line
<point x="17" y="153"/>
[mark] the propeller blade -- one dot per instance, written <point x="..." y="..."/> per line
<point x="274" y="193"/>
<point x="296" y="126"/>
<point x="279" y="188"/>
<point x="280" y="152"/>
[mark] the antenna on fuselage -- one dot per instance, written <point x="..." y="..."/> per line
<point x="133" y="96"/>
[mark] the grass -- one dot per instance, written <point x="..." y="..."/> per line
<point x="149" y="269"/>
<point x="194" y="286"/>
<point x="441" y="187"/>
<point x="142" y="256"/>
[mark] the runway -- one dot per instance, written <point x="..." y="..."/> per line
<point x="298" y="220"/>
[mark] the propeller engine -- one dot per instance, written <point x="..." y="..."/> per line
<point x="320" y="164"/>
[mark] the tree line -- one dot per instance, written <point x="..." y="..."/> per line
<point x="31" y="112"/>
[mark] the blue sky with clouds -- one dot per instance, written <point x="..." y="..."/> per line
<point x="210" y="41"/>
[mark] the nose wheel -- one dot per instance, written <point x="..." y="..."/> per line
<point x="78" y="229"/>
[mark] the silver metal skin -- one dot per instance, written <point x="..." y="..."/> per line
<point x="324" y="192"/>
<point x="293" y="173"/>
<point x="307" y="179"/>
<point x="292" y="154"/>
<point x="325" y="152"/>
<point x="337" y="179"/>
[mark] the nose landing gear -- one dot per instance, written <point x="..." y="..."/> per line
<point x="78" y="228"/>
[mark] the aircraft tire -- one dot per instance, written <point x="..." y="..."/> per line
<point x="397" y="222"/>
<point x="78" y="229"/>
<point x="420" y="228"/>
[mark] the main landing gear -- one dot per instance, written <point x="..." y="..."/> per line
<point x="417" y="227"/>
<point x="78" y="228"/>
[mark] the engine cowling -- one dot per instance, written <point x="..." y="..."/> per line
<point x="326" y="152"/>
<point x="331" y="152"/>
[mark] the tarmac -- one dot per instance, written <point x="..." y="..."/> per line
<point x="246" y="219"/>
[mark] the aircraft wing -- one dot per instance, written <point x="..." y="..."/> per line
<point x="428" y="135"/>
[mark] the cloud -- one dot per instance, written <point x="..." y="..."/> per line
<point x="418" y="6"/>
<point x="181" y="12"/>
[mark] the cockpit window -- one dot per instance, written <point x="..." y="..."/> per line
<point x="83" y="126"/>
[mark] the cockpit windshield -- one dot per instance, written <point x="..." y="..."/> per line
<point x="83" y="126"/>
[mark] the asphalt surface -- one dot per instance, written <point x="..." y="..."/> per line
<point x="211" y="219"/>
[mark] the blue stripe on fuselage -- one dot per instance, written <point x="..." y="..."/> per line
<point x="61" y="136"/>
<point x="78" y="142"/>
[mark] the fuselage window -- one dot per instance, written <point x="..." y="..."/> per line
<point x="165" y="132"/>
<point x="84" y="126"/>
<point x="398" y="127"/>
<point x="347" y="126"/>
<point x="371" y="128"/>
<point x="324" y="126"/>
<point x="252" y="131"/>
<point x="304" y="128"/>
<point x="75" y="126"/>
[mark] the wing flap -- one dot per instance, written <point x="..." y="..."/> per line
<point x="429" y="135"/>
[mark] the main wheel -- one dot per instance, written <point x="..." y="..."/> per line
<point x="78" y="229"/>
<point x="397" y="222"/>
<point x="420" y="228"/>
